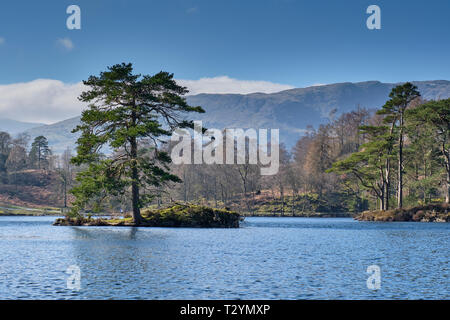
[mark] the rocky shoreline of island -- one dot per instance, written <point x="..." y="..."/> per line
<point x="424" y="213"/>
<point x="178" y="215"/>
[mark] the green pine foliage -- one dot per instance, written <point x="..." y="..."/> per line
<point x="407" y="150"/>
<point x="40" y="152"/>
<point x="128" y="113"/>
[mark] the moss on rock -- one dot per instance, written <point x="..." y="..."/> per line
<point x="178" y="215"/>
<point x="427" y="213"/>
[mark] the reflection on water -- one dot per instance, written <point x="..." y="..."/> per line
<point x="268" y="258"/>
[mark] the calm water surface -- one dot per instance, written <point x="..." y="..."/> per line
<point x="268" y="258"/>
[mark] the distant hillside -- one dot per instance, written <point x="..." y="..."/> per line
<point x="14" y="127"/>
<point x="291" y="111"/>
<point x="32" y="188"/>
<point x="295" y="109"/>
<point x="59" y="134"/>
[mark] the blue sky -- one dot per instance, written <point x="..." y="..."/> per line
<point x="296" y="43"/>
<point x="292" y="42"/>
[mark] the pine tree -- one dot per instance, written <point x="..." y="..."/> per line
<point x="436" y="115"/>
<point x="40" y="152"/>
<point x="400" y="99"/>
<point x="368" y="164"/>
<point x="125" y="111"/>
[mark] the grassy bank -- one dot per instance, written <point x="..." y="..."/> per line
<point x="179" y="215"/>
<point x="426" y="213"/>
<point x="8" y="210"/>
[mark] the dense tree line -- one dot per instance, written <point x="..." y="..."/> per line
<point x="15" y="154"/>
<point x="19" y="158"/>
<point x="301" y="184"/>
<point x="365" y="159"/>
<point x="405" y="153"/>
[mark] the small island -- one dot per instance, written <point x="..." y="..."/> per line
<point x="178" y="215"/>
<point x="426" y="213"/>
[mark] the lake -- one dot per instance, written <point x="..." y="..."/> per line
<point x="268" y="258"/>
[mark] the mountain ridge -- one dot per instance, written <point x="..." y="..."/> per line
<point x="14" y="126"/>
<point x="290" y="110"/>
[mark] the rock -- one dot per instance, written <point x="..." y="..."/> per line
<point x="178" y="215"/>
<point x="427" y="213"/>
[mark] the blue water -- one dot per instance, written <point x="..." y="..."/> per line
<point x="268" y="258"/>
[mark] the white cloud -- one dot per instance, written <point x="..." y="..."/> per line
<point x="318" y="84"/>
<point x="65" y="43"/>
<point x="49" y="101"/>
<point x="2" y="40"/>
<point x="224" y="84"/>
<point x="41" y="100"/>
<point x="192" y="10"/>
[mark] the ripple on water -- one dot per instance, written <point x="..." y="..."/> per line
<point x="268" y="258"/>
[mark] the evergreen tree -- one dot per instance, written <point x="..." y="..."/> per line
<point x="126" y="110"/>
<point x="436" y="115"/>
<point x="40" y="152"/>
<point x="422" y="167"/>
<point x="368" y="164"/>
<point x="400" y="98"/>
<point x="5" y="148"/>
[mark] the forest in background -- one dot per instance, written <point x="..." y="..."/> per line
<point x="350" y="164"/>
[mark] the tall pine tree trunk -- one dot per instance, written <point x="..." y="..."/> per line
<point x="400" y="165"/>
<point x="387" y="184"/>
<point x="39" y="157"/>
<point x="447" y="167"/>
<point x="135" y="184"/>
<point x="388" y="171"/>
<point x="383" y="191"/>
<point x="447" y="196"/>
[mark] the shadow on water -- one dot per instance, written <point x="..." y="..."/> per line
<point x="100" y="233"/>
<point x="117" y="261"/>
